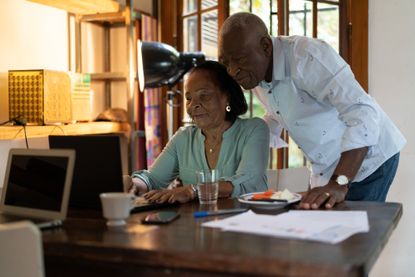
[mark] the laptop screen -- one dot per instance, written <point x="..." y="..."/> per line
<point x="36" y="182"/>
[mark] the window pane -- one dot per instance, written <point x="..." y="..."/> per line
<point x="210" y="34"/>
<point x="295" y="155"/>
<point x="274" y="25"/>
<point x="248" y="97"/>
<point x="189" y="6"/>
<point x="274" y="18"/>
<point x="190" y="34"/>
<point x="262" y="9"/>
<point x="257" y="109"/>
<point x="301" y="18"/>
<point x="209" y="3"/>
<point x="238" y="6"/>
<point x="274" y="4"/>
<point x="328" y="24"/>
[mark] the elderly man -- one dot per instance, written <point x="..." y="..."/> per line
<point x="310" y="91"/>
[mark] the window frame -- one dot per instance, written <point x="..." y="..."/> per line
<point x="353" y="38"/>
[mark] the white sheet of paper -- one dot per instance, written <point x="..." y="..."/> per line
<point x="324" y="226"/>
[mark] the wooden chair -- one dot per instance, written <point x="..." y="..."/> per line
<point x="293" y="179"/>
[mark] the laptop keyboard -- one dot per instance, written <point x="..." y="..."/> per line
<point x="12" y="218"/>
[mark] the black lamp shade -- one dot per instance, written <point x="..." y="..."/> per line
<point x="162" y="65"/>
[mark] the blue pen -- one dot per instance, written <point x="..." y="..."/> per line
<point x="218" y="212"/>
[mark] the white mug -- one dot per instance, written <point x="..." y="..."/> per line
<point x="116" y="207"/>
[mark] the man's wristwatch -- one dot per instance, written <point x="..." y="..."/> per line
<point x="341" y="180"/>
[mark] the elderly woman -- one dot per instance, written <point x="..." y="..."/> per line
<point x="238" y="148"/>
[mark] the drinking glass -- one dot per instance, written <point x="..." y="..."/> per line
<point x="207" y="186"/>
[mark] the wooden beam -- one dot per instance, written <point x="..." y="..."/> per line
<point x="82" y="6"/>
<point x="359" y="36"/>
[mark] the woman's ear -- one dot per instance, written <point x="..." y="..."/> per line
<point x="266" y="45"/>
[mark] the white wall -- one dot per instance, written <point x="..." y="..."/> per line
<point x="392" y="83"/>
<point x="35" y="36"/>
<point x="32" y="36"/>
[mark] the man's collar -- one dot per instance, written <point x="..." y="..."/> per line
<point x="278" y="65"/>
<point x="278" y="71"/>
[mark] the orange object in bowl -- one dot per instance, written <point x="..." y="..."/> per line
<point x="264" y="195"/>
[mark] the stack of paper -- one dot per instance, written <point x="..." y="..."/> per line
<point x="324" y="226"/>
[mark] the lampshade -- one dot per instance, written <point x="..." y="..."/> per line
<point x="161" y="65"/>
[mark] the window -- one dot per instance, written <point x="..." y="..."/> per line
<point x="325" y="19"/>
<point x="200" y="20"/>
<point x="330" y="20"/>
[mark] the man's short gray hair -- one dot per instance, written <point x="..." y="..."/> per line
<point x="244" y="20"/>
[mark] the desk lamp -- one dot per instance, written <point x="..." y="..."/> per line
<point x="161" y="65"/>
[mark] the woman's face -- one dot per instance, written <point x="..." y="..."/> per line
<point x="205" y="102"/>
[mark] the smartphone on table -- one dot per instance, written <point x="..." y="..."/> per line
<point x="161" y="217"/>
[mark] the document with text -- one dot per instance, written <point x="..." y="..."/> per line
<point x="323" y="226"/>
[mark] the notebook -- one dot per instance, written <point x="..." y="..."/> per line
<point x="36" y="186"/>
<point x="99" y="166"/>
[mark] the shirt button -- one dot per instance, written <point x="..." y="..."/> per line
<point x="277" y="112"/>
<point x="321" y="174"/>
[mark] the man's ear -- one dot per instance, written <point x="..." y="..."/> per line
<point x="266" y="46"/>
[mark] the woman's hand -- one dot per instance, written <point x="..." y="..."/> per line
<point x="135" y="186"/>
<point x="328" y="195"/>
<point x="181" y="194"/>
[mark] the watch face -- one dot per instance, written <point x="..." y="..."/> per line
<point x="342" y="180"/>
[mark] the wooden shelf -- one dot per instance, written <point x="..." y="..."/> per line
<point x="114" y="17"/>
<point x="115" y="76"/>
<point x="16" y="132"/>
<point x="109" y="14"/>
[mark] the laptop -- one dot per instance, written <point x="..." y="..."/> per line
<point x="36" y="186"/>
<point x="99" y="166"/>
<point x="101" y="162"/>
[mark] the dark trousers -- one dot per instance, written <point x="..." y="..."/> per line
<point x="376" y="186"/>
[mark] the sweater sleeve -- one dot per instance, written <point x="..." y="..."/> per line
<point x="165" y="168"/>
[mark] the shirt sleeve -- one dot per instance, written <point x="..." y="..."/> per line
<point x="324" y="75"/>
<point x="250" y="175"/>
<point x="275" y="127"/>
<point x="165" y="168"/>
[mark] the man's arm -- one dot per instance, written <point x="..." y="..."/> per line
<point x="332" y="193"/>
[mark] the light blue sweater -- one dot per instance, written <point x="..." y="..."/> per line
<point x="243" y="157"/>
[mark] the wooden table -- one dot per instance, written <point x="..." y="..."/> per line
<point x="86" y="247"/>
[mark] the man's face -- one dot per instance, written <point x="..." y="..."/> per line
<point x="245" y="57"/>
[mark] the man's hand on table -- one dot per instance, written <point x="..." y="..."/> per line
<point x="326" y="196"/>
